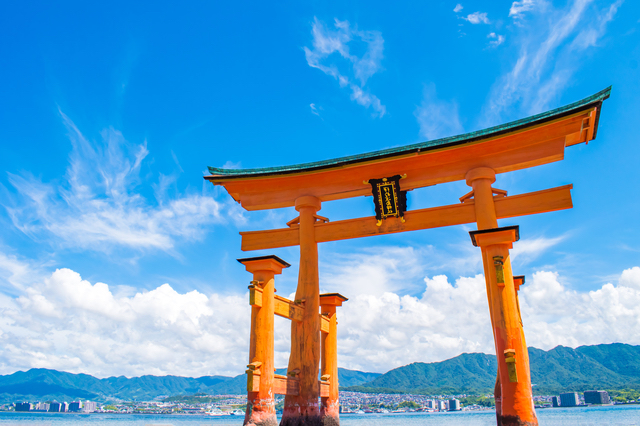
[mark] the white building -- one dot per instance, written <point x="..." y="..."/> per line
<point x="89" y="407"/>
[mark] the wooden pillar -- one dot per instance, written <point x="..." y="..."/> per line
<point x="261" y="410"/>
<point x="303" y="409"/>
<point x="330" y="404"/>
<point x="514" y="403"/>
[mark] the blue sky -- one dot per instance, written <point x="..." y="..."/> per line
<point x="116" y="257"/>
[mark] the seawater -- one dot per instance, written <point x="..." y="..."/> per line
<point x="620" y="415"/>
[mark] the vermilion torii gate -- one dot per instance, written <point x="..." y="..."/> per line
<point x="474" y="157"/>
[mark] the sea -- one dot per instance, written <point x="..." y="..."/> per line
<point x="605" y="415"/>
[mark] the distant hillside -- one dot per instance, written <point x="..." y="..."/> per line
<point x="39" y="384"/>
<point x="614" y="366"/>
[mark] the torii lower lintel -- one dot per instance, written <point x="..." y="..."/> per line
<point x="456" y="214"/>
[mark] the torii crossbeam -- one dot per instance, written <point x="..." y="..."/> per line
<point x="474" y="157"/>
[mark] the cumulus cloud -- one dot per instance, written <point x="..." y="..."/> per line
<point x="67" y="323"/>
<point x="99" y="205"/>
<point x="64" y="322"/>
<point x="387" y="331"/>
<point x="458" y="8"/>
<point x="477" y="18"/>
<point x="549" y="47"/>
<point x="331" y="53"/>
<point x="437" y="118"/>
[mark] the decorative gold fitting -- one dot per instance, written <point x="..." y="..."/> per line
<point x="300" y="301"/>
<point x="510" y="359"/>
<point x="293" y="373"/>
<point x="498" y="262"/>
<point x="255" y="282"/>
<point x="325" y="377"/>
<point x="321" y="218"/>
<point x="378" y="223"/>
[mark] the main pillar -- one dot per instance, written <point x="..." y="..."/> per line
<point x="303" y="409"/>
<point x="514" y="378"/>
<point x="330" y="405"/>
<point x="261" y="409"/>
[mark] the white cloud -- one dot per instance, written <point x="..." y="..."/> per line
<point x="549" y="51"/>
<point x="526" y="250"/>
<point x="590" y="35"/>
<point x="518" y="8"/>
<point x="496" y="39"/>
<point x="314" y="110"/>
<point x="458" y="8"/>
<point x="387" y="331"/>
<point x="437" y="118"/>
<point x="327" y="42"/>
<point x="64" y="322"/>
<point x="99" y="204"/>
<point x="70" y="324"/>
<point x="477" y="18"/>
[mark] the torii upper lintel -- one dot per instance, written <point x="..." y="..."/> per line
<point x="520" y="144"/>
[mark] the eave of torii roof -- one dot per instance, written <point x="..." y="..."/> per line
<point x="231" y="177"/>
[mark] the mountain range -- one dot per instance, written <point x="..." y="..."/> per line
<point x="613" y="366"/>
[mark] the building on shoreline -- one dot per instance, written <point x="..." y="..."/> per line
<point x="597" y="397"/>
<point x="454" y="405"/>
<point x="569" y="399"/>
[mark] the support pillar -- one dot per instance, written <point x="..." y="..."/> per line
<point x="330" y="405"/>
<point x="303" y="409"/>
<point x="261" y="409"/>
<point x="514" y="399"/>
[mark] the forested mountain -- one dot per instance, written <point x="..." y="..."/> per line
<point x="39" y="384"/>
<point x="614" y="366"/>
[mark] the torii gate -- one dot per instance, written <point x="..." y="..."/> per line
<point x="475" y="157"/>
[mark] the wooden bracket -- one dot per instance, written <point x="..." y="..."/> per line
<point x="295" y="222"/>
<point x="498" y="193"/>
<point x="324" y="388"/>
<point x="283" y="385"/>
<point x="287" y="309"/>
<point x="324" y="323"/>
<point x="253" y="376"/>
<point x="255" y="296"/>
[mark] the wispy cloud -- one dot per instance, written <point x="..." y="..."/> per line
<point x="349" y="70"/>
<point x="314" y="110"/>
<point x="458" y="8"/>
<point x="549" y="48"/>
<point x="526" y="250"/>
<point x="519" y="8"/>
<point x="99" y="205"/>
<point x="477" y="18"/>
<point x="495" y="39"/>
<point x="437" y="118"/>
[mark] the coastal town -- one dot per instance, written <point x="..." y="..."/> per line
<point x="351" y="403"/>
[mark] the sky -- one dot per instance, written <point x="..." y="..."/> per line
<point x="118" y="258"/>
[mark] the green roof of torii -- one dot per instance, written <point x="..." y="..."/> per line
<point x="541" y="118"/>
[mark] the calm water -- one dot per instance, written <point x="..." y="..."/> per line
<point x="613" y="415"/>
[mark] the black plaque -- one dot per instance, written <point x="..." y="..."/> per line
<point x="389" y="200"/>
